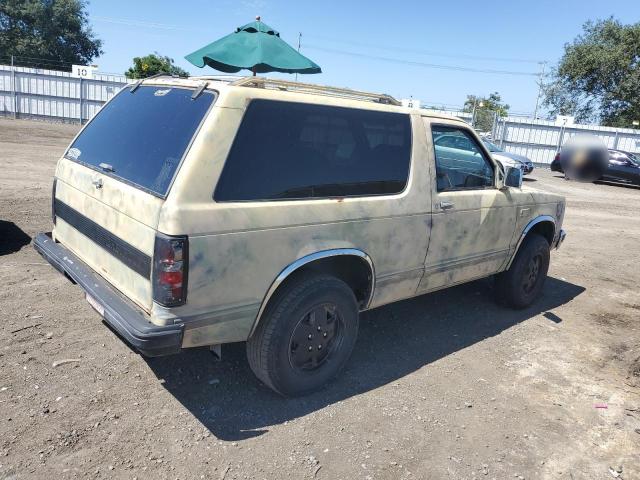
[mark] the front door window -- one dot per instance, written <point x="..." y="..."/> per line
<point x="460" y="162"/>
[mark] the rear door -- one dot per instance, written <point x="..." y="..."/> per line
<point x="473" y="221"/>
<point x="113" y="179"/>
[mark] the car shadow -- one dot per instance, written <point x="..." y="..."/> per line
<point x="394" y="341"/>
<point x="12" y="238"/>
<point x="617" y="184"/>
<point x="529" y="179"/>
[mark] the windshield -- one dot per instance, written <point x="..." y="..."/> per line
<point x="492" y="147"/>
<point x="141" y="137"/>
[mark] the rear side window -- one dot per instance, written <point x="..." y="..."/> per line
<point x="141" y="137"/>
<point x="287" y="150"/>
<point x="460" y="162"/>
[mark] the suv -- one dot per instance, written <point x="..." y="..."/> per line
<point x="197" y="212"/>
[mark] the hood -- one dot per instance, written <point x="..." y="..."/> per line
<point x="541" y="196"/>
<point x="510" y="156"/>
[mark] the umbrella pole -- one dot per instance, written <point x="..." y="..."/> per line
<point x="254" y="71"/>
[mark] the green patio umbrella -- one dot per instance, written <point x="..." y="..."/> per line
<point x="256" y="47"/>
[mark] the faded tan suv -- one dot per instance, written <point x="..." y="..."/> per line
<point x="197" y="212"/>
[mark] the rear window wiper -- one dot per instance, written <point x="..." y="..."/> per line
<point x="199" y="91"/>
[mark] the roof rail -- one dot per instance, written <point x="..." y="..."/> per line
<point x="284" y="85"/>
<point x="218" y="78"/>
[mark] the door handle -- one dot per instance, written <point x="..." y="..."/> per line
<point x="446" y="205"/>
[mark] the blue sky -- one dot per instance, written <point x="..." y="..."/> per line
<point x="372" y="45"/>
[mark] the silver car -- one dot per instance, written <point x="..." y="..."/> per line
<point x="508" y="159"/>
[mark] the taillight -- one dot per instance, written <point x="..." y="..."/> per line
<point x="53" y="200"/>
<point x="170" y="268"/>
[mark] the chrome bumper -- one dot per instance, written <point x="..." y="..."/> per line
<point x="561" y="236"/>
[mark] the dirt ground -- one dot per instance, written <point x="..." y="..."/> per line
<point x="445" y="386"/>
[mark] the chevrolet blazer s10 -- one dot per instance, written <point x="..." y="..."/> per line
<point x="197" y="212"/>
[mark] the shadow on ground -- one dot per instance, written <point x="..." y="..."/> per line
<point x="393" y="341"/>
<point x="529" y="179"/>
<point x="617" y="184"/>
<point x="12" y="238"/>
<point x="607" y="183"/>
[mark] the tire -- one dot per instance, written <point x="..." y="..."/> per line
<point x="522" y="284"/>
<point x="314" y="311"/>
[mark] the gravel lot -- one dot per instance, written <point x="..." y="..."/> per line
<point x="447" y="385"/>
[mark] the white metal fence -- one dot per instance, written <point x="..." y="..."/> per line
<point x="52" y="94"/>
<point x="540" y="140"/>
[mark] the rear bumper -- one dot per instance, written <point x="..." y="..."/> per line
<point x="125" y="318"/>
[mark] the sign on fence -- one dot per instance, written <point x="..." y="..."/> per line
<point x="82" y="71"/>
<point x="565" y="120"/>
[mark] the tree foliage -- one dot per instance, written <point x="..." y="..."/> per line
<point x="598" y="77"/>
<point x="47" y="33"/>
<point x="153" y="64"/>
<point x="485" y="109"/>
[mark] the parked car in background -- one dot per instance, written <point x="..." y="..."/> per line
<point x="508" y="159"/>
<point x="555" y="165"/>
<point x="624" y="167"/>
<point x="455" y="142"/>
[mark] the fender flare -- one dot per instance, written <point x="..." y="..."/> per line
<point x="301" y="262"/>
<point x="527" y="229"/>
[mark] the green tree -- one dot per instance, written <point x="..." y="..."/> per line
<point x="485" y="110"/>
<point x="598" y="77"/>
<point x="47" y="33"/>
<point x="153" y="64"/>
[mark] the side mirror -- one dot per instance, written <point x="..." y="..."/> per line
<point x="513" y="177"/>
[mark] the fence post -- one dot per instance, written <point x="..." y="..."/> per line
<point x="560" y="138"/>
<point x="615" y="141"/>
<point x="504" y="132"/>
<point x="13" y="89"/>
<point x="494" y="126"/>
<point x="80" y="113"/>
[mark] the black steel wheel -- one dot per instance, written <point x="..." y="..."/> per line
<point x="531" y="274"/>
<point x="316" y="337"/>
<point x="522" y="283"/>
<point x="305" y="335"/>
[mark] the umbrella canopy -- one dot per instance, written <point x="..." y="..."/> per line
<point x="256" y="47"/>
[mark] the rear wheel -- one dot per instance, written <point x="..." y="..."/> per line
<point x="522" y="284"/>
<point x="305" y="336"/>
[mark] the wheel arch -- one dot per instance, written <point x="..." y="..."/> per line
<point x="544" y="225"/>
<point x="333" y="261"/>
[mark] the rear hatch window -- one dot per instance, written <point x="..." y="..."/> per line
<point x="140" y="137"/>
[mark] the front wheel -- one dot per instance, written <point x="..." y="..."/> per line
<point x="522" y="284"/>
<point x="305" y="336"/>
